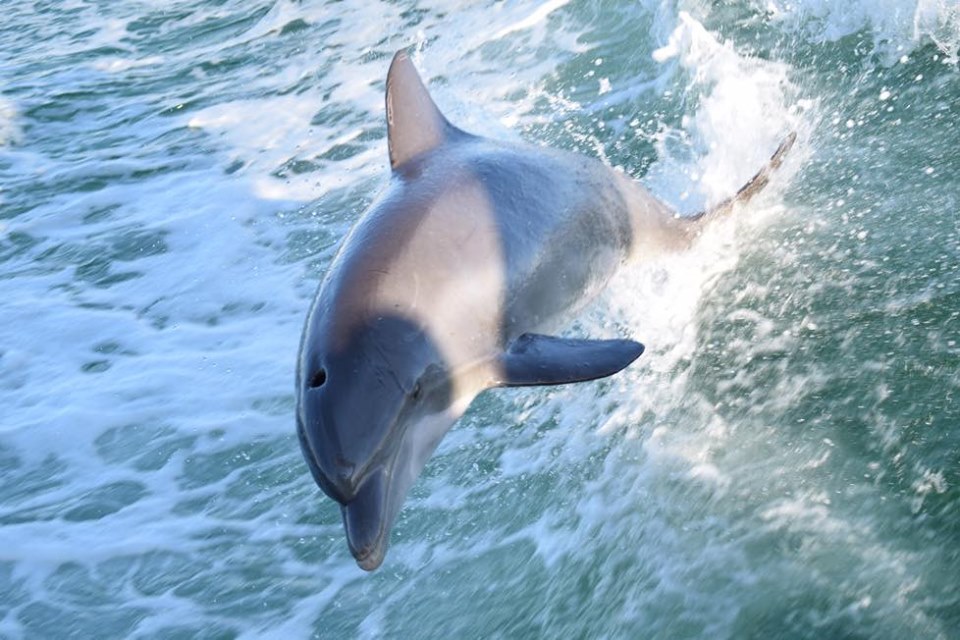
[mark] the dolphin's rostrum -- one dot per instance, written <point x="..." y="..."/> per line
<point x="449" y="285"/>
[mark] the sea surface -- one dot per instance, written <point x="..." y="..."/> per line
<point x="783" y="461"/>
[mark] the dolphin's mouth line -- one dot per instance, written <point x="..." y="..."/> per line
<point x="383" y="460"/>
<point x="370" y="557"/>
<point x="363" y="554"/>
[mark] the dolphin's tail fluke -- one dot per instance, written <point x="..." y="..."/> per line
<point x="753" y="186"/>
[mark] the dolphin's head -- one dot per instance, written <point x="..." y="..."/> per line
<point x="372" y="405"/>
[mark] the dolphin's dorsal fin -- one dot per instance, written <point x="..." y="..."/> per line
<point x="414" y="123"/>
<point x="534" y="359"/>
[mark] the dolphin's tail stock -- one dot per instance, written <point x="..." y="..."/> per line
<point x="750" y="189"/>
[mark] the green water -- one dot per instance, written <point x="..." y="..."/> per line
<point x="783" y="462"/>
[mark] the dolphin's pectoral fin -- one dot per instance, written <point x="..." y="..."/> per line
<point x="535" y="359"/>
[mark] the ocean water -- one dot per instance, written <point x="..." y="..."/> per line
<point x="783" y="462"/>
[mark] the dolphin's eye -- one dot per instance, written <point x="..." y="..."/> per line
<point x="318" y="378"/>
<point x="415" y="394"/>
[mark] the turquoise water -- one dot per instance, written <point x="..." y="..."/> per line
<point x="783" y="462"/>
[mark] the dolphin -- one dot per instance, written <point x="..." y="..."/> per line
<point x="456" y="280"/>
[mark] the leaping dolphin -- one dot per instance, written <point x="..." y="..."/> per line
<point x="450" y="284"/>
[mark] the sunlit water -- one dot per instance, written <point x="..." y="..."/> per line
<point x="783" y="462"/>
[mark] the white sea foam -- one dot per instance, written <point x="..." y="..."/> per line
<point x="898" y="26"/>
<point x="10" y="133"/>
<point x="532" y="20"/>
<point x="746" y="107"/>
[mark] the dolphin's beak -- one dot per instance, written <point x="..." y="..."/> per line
<point x="367" y="515"/>
<point x="365" y="521"/>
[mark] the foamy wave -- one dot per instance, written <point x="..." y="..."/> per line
<point x="939" y="20"/>
<point x="899" y="26"/>
<point x="10" y="132"/>
<point x="746" y="107"/>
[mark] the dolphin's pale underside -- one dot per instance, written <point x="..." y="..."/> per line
<point x="453" y="282"/>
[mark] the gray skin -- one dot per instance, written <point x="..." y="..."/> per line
<point x="446" y="287"/>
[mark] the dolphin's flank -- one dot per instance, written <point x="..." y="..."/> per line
<point x="454" y="282"/>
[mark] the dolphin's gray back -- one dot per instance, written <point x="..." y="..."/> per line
<point x="565" y="229"/>
<point x="557" y="224"/>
